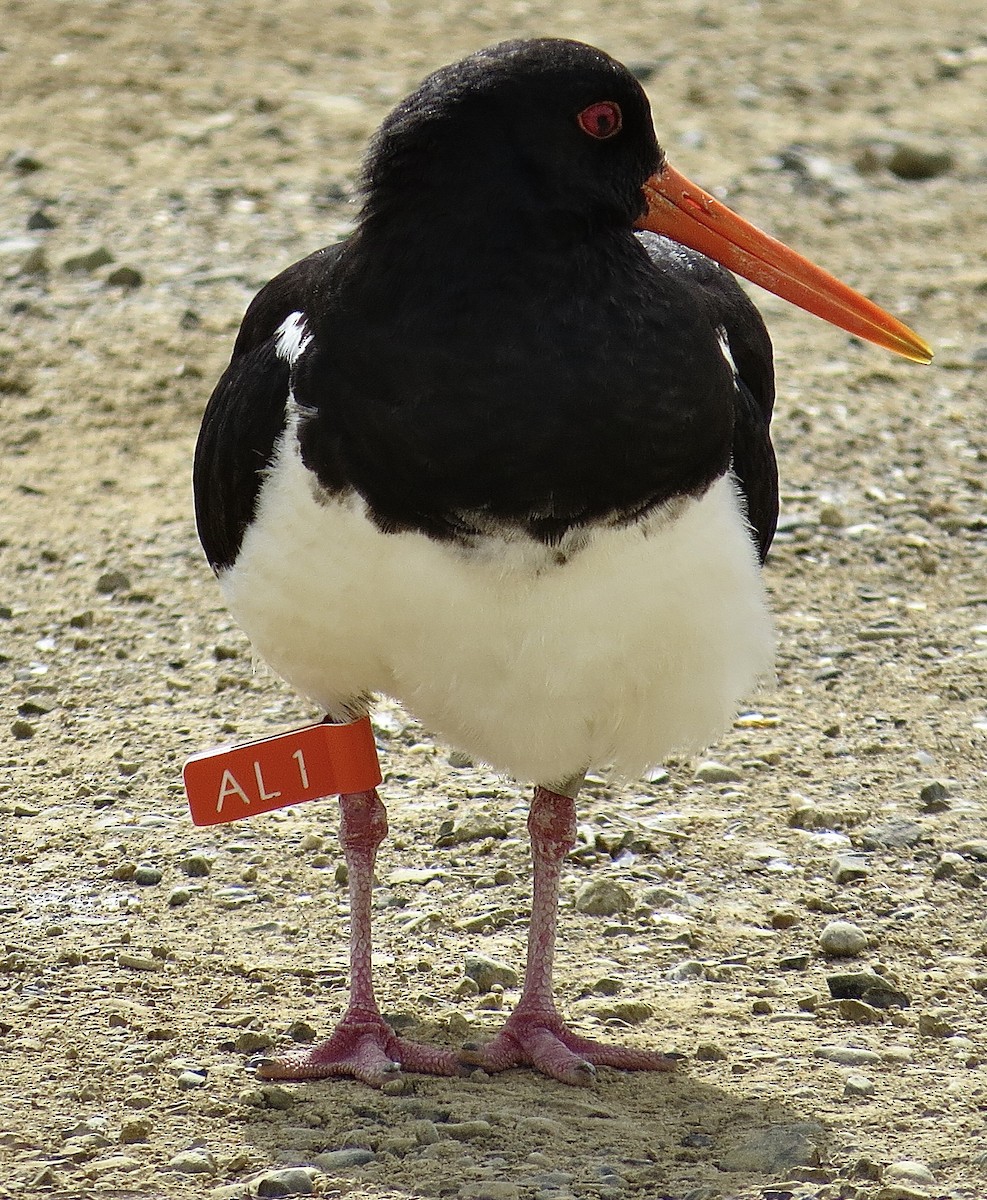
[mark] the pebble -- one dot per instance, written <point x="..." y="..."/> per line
<point x="87" y="261"/>
<point x="489" y="1189"/>
<point x="842" y="939"/>
<point x="974" y="848"/>
<point x="136" y="1129"/>
<point x="193" y="1162"/>
<point x="908" y="1170"/>
<point x="714" y="772"/>
<point x="139" y="962"/>
<point x="847" y="1056"/>
<point x="849" y="867"/>
<point x="189" y="1080"/>
<point x="147" y="876"/>
<point x="288" y="1181"/>
<point x="124" y="276"/>
<point x="341" y="1160"/>
<point x="870" y="987"/>
<point x="487" y="974"/>
<point x="603" y="898"/>
<point x="196" y="866"/>
<point x="893" y="835"/>
<point x="112" y="581"/>
<point x="858" y="1012"/>
<point x="630" y="1012"/>
<point x="774" y="1149"/>
<point x="934" y="797"/>
<point x="856" y="1084"/>
<point x="178" y="897"/>
<point x="251" y="1041"/>
<point x="935" y="1025"/>
<point x="912" y="161"/>
<point x="22" y="730"/>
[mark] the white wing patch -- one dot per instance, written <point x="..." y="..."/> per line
<point x="721" y="337"/>
<point x="291" y="338"/>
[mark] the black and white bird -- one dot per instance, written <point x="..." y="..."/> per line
<point x="503" y="455"/>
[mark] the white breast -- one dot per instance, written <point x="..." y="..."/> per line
<point x="642" y="643"/>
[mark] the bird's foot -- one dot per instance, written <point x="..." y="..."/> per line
<point x="362" y="1046"/>
<point x="540" y="1039"/>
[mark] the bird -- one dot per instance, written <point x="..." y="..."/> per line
<point x="503" y="455"/>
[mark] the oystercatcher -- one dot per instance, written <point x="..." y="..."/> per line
<point x="503" y="455"/>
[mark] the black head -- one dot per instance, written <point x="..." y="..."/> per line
<point x="533" y="131"/>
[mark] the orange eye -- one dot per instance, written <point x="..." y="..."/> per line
<point x="601" y="120"/>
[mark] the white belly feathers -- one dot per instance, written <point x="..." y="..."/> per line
<point x="642" y="643"/>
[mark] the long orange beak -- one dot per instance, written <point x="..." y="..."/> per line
<point x="685" y="213"/>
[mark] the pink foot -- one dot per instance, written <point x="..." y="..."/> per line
<point x="362" y="1046"/>
<point x="540" y="1039"/>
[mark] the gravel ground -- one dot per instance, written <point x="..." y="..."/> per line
<point x="801" y="914"/>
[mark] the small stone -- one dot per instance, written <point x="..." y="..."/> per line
<point x="710" y="1052"/>
<point x="334" y="1161"/>
<point x="139" y="962"/>
<point x="128" y="277"/>
<point x="935" y="1026"/>
<point x="630" y="1012"/>
<point x="714" y="772"/>
<point x="312" y="841"/>
<point x="87" y="261"/>
<point x="975" y="848"/>
<point x="832" y="516"/>
<point x="849" y="867"/>
<point x="487" y="974"/>
<point x="934" y="797"/>
<point x="913" y="162"/>
<point x="460" y="760"/>
<point x="250" y="1041"/>
<point x="196" y="866"/>
<point x="782" y="918"/>
<point x="302" y="1031"/>
<point x="856" y="1084"/>
<point x="22" y="730"/>
<point x="136" y="1129"/>
<point x="793" y="962"/>
<point x="147" y="876"/>
<point x="193" y="1162"/>
<point x="909" y="1170"/>
<point x="23" y="162"/>
<point x="111" y="582"/>
<point x="273" y="1095"/>
<point x="190" y="1080"/>
<point x="40" y="221"/>
<point x="871" y="987"/>
<point x="761" y="1008"/>
<point x="489" y="1189"/>
<point x="842" y="939"/>
<point x="893" y="835"/>
<point x="288" y="1181"/>
<point x="775" y="1149"/>
<point x="178" y="897"/>
<point x="859" y="1013"/>
<point x="847" y="1056"/>
<point x="603" y="898"/>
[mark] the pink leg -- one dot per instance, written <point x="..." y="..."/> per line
<point x="362" y="1045"/>
<point x="534" y="1034"/>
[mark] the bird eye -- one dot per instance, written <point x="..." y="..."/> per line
<point x="601" y="120"/>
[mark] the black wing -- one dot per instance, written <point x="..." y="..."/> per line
<point x="245" y="415"/>
<point x="729" y="309"/>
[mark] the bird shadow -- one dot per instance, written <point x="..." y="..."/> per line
<point x="517" y="1135"/>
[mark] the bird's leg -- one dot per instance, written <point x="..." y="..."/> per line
<point x="534" y="1034"/>
<point x="362" y="1045"/>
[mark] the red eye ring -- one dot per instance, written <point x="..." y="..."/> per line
<point x="601" y="120"/>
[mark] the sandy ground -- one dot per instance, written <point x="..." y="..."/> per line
<point x="202" y="147"/>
